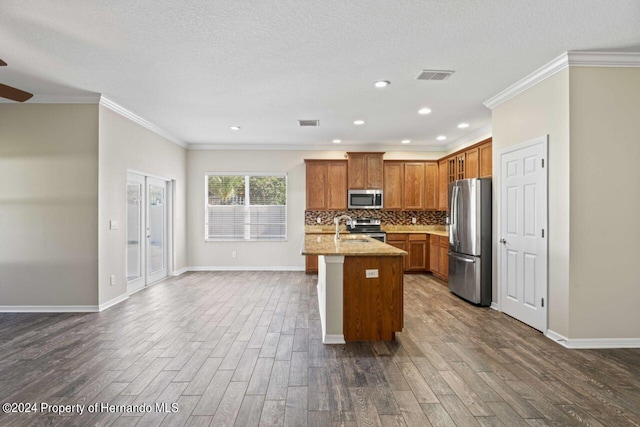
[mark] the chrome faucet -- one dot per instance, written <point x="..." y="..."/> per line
<point x="336" y="220"/>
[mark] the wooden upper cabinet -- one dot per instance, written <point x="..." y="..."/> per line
<point x="431" y="186"/>
<point x="337" y="185"/>
<point x="414" y="192"/>
<point x="486" y="160"/>
<point x="460" y="166"/>
<point x="471" y="163"/>
<point x="365" y="171"/>
<point x="443" y="184"/>
<point x="326" y="185"/>
<point x="393" y="185"/>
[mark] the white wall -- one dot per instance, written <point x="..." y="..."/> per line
<point x="48" y="205"/>
<point x="605" y="203"/>
<point x="126" y="145"/>
<point x="542" y="110"/>
<point x="256" y="254"/>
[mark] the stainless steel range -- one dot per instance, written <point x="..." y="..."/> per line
<point x="369" y="227"/>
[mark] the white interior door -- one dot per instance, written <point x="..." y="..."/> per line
<point x="136" y="233"/>
<point x="156" y="227"/>
<point x="523" y="232"/>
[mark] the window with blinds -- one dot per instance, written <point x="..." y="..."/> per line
<point x="246" y="207"/>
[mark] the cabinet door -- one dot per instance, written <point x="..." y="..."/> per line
<point x="417" y="256"/>
<point x="431" y="186"/>
<point x="414" y="185"/>
<point x="460" y="166"/>
<point x="434" y="255"/>
<point x="444" y="261"/>
<point x="373" y="164"/>
<point x="356" y="171"/>
<point x="471" y="163"/>
<point x="311" y="264"/>
<point x="316" y="173"/>
<point x="486" y="160"/>
<point x="443" y="184"/>
<point x="401" y="245"/>
<point x="393" y="185"/>
<point x="337" y="185"/>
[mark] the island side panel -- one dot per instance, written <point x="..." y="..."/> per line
<point x="332" y="267"/>
<point x="373" y="307"/>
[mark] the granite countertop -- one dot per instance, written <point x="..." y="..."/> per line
<point x="438" y="230"/>
<point x="324" y="244"/>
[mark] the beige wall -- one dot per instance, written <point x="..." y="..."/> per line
<point x="48" y="205"/>
<point x="126" y="145"/>
<point x="605" y="203"/>
<point x="542" y="110"/>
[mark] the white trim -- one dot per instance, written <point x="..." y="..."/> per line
<point x="604" y="59"/>
<point x="246" y="268"/>
<point x="107" y="103"/>
<point x="58" y="99"/>
<point x="567" y="59"/>
<point x="542" y="73"/>
<point x="593" y="343"/>
<point x="317" y="147"/>
<point x="113" y="302"/>
<point x="333" y="339"/>
<point x="145" y="175"/>
<point x="49" y="309"/>
<point x="181" y="271"/>
<point x="471" y="138"/>
<point x="495" y="306"/>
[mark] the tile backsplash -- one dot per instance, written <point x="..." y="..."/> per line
<point x="387" y="217"/>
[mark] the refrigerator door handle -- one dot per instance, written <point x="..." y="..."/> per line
<point x="453" y="236"/>
<point x="472" y="261"/>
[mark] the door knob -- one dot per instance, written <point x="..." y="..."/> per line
<point x="504" y="242"/>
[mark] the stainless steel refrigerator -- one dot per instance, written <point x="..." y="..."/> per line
<point x="470" y="239"/>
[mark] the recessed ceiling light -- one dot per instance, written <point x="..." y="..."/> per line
<point x="441" y="138"/>
<point x="358" y="122"/>
<point x="382" y="83"/>
<point x="235" y="128"/>
<point x="424" y="110"/>
<point x="337" y="141"/>
<point x="406" y="141"/>
<point x="463" y="125"/>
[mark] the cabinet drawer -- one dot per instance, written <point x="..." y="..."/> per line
<point x="418" y="237"/>
<point x="396" y="237"/>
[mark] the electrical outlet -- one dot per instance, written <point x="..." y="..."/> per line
<point x="234" y="254"/>
<point x="319" y="220"/>
<point x="413" y="220"/>
<point x="112" y="280"/>
<point x="371" y="274"/>
<point x="113" y="224"/>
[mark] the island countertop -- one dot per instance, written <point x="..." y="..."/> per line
<point x="324" y="244"/>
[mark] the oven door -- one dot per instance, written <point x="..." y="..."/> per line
<point x="378" y="236"/>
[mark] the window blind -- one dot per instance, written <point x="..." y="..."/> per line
<point x="246" y="207"/>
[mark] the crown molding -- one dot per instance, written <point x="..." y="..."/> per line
<point x="57" y="99"/>
<point x="471" y="138"/>
<point x="567" y="59"/>
<point x="317" y="147"/>
<point x="117" y="108"/>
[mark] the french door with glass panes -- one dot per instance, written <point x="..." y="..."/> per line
<point x="146" y="231"/>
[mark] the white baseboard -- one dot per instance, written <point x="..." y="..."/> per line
<point x="495" y="306"/>
<point x="593" y="343"/>
<point x="113" y="302"/>
<point x="48" y="308"/>
<point x="333" y="339"/>
<point x="246" y="268"/>
<point x="179" y="272"/>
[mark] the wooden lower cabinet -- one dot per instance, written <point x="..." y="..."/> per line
<point x="438" y="256"/>
<point x="311" y="264"/>
<point x="372" y="307"/>
<point x="418" y="252"/>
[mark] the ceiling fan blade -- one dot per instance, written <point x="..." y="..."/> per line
<point x="2" y="63"/>
<point x="14" y="94"/>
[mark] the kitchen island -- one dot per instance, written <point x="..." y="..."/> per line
<point x="360" y="287"/>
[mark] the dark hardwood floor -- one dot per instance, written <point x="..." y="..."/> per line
<point x="244" y="348"/>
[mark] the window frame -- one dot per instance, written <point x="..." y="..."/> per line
<point x="247" y="200"/>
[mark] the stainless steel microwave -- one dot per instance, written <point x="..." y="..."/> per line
<point x="365" y="199"/>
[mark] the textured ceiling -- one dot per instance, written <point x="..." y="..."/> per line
<point x="195" y="67"/>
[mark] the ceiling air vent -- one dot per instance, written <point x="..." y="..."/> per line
<point x="309" y="122"/>
<point x="434" y="74"/>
